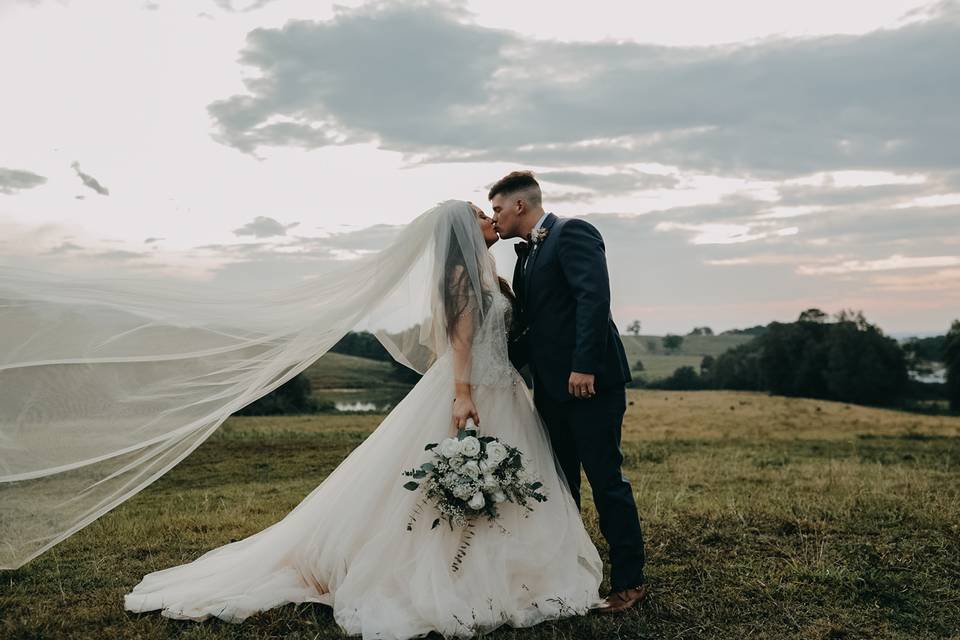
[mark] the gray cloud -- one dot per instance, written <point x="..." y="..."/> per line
<point x="118" y="254"/>
<point x="264" y="227"/>
<point x="617" y="183"/>
<point x="64" y="247"/>
<point x="233" y="6"/>
<point x="152" y="240"/>
<point x="13" y="180"/>
<point x="79" y="252"/>
<point x="90" y="181"/>
<point x="408" y="74"/>
<point x="420" y="79"/>
<point x="877" y="195"/>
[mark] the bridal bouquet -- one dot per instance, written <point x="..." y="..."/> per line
<point x="469" y="476"/>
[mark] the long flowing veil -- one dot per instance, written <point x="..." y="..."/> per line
<point x="107" y="383"/>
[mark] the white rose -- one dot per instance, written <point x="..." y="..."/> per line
<point x="498" y="496"/>
<point x="469" y="446"/>
<point x="496" y="452"/>
<point x="485" y="466"/>
<point x="489" y="482"/>
<point x="477" y="501"/>
<point x="472" y="469"/>
<point x="449" y="448"/>
<point x="456" y="462"/>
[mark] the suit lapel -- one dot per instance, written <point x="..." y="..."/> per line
<point x="518" y="278"/>
<point x="534" y="254"/>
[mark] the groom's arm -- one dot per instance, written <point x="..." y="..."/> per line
<point x="584" y="264"/>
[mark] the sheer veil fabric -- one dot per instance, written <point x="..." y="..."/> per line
<point x="107" y="383"/>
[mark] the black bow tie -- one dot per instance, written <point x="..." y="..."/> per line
<point x="522" y="248"/>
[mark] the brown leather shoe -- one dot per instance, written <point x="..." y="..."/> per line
<point x="623" y="600"/>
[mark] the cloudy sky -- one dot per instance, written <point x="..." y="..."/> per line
<point x="744" y="160"/>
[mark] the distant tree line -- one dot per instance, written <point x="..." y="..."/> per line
<point x="848" y="360"/>
<point x="362" y="344"/>
<point x="292" y="397"/>
<point x="295" y="396"/>
<point x="951" y="358"/>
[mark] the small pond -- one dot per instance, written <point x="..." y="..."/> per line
<point x="361" y="400"/>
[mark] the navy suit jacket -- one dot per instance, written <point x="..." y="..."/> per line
<point x="563" y="322"/>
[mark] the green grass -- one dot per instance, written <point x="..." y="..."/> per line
<point x="764" y="517"/>
<point x="342" y="371"/>
<point x="660" y="363"/>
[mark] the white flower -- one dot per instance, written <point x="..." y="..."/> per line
<point x="477" y="501"/>
<point x="489" y="482"/>
<point x="498" y="496"/>
<point x="523" y="475"/>
<point x="496" y="452"/>
<point x="456" y="462"/>
<point x="472" y="469"/>
<point x="463" y="491"/>
<point x="449" y="448"/>
<point x="469" y="446"/>
<point x="486" y="466"/>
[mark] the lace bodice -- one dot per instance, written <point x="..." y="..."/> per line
<point x="491" y="365"/>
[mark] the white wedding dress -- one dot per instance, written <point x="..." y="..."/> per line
<point x="346" y="544"/>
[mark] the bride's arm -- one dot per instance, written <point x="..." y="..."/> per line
<point x="461" y="340"/>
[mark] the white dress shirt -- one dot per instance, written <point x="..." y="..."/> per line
<point x="532" y="231"/>
<point x="539" y="223"/>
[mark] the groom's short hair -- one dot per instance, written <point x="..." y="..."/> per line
<point x="518" y="181"/>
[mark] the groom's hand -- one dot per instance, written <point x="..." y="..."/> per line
<point x="580" y="385"/>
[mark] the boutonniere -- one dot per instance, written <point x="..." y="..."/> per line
<point x="538" y="236"/>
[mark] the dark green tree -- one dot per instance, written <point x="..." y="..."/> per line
<point x="672" y="342"/>
<point x="683" y="378"/>
<point x="848" y="360"/>
<point x="862" y="365"/>
<point x="362" y="344"/>
<point x="951" y="357"/>
<point x="812" y="315"/>
<point x="738" y="368"/>
<point x="706" y="364"/>
<point x="292" y="397"/>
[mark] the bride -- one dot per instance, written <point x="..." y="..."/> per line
<point x="346" y="545"/>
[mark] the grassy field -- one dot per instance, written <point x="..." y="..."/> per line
<point x="658" y="362"/>
<point x="764" y="517"/>
<point x="342" y="371"/>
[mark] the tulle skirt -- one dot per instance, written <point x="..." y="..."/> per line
<point x="346" y="544"/>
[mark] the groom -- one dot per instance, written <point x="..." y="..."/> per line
<point x="565" y="332"/>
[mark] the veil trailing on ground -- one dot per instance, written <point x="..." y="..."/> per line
<point x="107" y="383"/>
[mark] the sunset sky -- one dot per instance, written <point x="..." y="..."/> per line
<point x="744" y="160"/>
